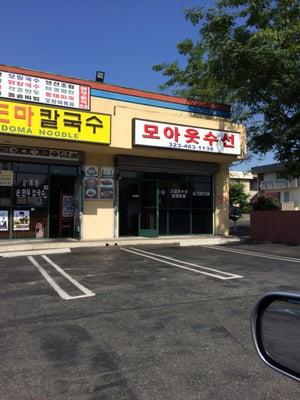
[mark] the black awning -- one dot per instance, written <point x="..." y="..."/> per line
<point x="125" y="163"/>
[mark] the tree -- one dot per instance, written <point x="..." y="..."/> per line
<point x="237" y="195"/>
<point x="263" y="203"/>
<point x="247" y="55"/>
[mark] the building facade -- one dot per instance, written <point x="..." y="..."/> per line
<point x="247" y="179"/>
<point x="273" y="182"/>
<point x="95" y="161"/>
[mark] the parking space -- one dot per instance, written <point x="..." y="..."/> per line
<point x="156" y="322"/>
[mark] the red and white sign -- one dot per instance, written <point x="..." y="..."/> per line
<point x="39" y="90"/>
<point x="158" y="134"/>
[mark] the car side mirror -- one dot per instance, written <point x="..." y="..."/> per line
<point x="275" y="328"/>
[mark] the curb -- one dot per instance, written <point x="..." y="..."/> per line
<point x="72" y="245"/>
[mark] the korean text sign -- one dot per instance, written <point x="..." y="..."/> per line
<point x="39" y="90"/>
<point x="54" y="123"/>
<point x="6" y="178"/>
<point x="31" y="190"/>
<point x="182" y="137"/>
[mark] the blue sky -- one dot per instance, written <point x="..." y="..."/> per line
<point x="124" y="38"/>
<point x="76" y="38"/>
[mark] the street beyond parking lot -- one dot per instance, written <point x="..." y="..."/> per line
<point x="140" y="323"/>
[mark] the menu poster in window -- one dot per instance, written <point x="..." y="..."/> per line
<point x="106" y="182"/>
<point x="21" y="220"/>
<point x="3" y="220"/>
<point x="67" y="206"/>
<point x="91" y="171"/>
<point x="106" y="193"/>
<point x="90" y="185"/>
<point x="107" y="172"/>
<point x="91" y="193"/>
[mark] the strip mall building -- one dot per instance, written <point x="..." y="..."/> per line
<point x="93" y="161"/>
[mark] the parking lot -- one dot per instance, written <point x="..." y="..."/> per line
<point x="151" y="322"/>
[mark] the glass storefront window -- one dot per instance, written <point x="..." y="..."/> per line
<point x="5" y="193"/>
<point x="4" y="165"/>
<point x="201" y="192"/>
<point x="201" y="205"/>
<point x="128" y="207"/>
<point x="179" y="221"/>
<point x="179" y="193"/>
<point x="178" y="205"/>
<point x="201" y="221"/>
<point x="163" y="206"/>
<point x="185" y="204"/>
<point x="30" y="190"/>
<point x="30" y="168"/>
<point x="63" y="170"/>
<point x="5" y="204"/>
<point x="27" y="210"/>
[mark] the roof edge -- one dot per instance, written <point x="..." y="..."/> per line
<point x="268" y="168"/>
<point x="115" y="88"/>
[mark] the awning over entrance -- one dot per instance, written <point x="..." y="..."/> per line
<point x="125" y="163"/>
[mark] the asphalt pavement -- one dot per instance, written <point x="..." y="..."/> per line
<point x="240" y="228"/>
<point x="137" y="323"/>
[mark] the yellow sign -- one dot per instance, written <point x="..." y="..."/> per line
<point x="6" y="178"/>
<point x="54" y="123"/>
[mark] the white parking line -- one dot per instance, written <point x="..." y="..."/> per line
<point x="253" y="254"/>
<point x="64" y="295"/>
<point x="174" y="263"/>
<point x="82" y="288"/>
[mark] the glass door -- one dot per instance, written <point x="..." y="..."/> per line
<point x="148" y="215"/>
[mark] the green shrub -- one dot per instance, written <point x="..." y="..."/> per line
<point x="237" y="195"/>
<point x="266" y="203"/>
<point x="247" y="208"/>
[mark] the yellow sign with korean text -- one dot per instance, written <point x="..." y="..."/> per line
<point x="54" y="123"/>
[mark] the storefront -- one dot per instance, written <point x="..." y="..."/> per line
<point x="163" y="197"/>
<point x="87" y="160"/>
<point x="42" y="197"/>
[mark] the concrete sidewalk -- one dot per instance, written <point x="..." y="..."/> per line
<point x="46" y="244"/>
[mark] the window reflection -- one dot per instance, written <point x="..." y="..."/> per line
<point x="281" y="327"/>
